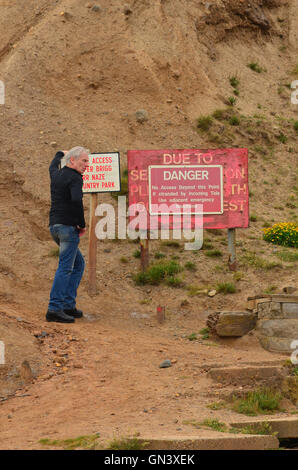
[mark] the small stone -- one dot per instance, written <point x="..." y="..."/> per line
<point x="96" y="8"/>
<point x="141" y="115"/>
<point x="165" y="364"/>
<point x="26" y="372"/>
<point x="212" y="293"/>
<point x="127" y="10"/>
<point x="53" y="144"/>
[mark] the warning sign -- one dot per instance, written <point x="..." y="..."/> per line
<point x="103" y="173"/>
<point x="177" y="185"/>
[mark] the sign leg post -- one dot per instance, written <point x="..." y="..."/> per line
<point x="92" y="246"/>
<point x="232" y="249"/>
<point x="144" y="246"/>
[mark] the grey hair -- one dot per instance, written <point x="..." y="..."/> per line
<point x="75" y="153"/>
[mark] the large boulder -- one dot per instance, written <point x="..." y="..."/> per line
<point x="231" y="323"/>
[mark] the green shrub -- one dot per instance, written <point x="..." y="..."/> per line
<point x="159" y="255"/>
<point x="190" y="266"/>
<point x="285" y="234"/>
<point x="282" y="138"/>
<point x="204" y="123"/>
<point x="234" y="121"/>
<point x="213" y="253"/>
<point x="158" y="273"/>
<point x="255" y="67"/>
<point x="219" y="114"/>
<point x="226" y="288"/>
<point x="234" y="82"/>
<point x="232" y="100"/>
<point x="137" y="254"/>
<point x="296" y="126"/>
<point x="262" y="401"/>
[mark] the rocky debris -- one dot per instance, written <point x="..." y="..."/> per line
<point x="139" y="315"/>
<point x="212" y="293"/>
<point x="277" y="324"/>
<point x="257" y="17"/>
<point x="165" y="364"/>
<point x="141" y="116"/>
<point x="289" y="289"/>
<point x="231" y="323"/>
<point x="26" y="372"/>
<point x="127" y="10"/>
<point x="96" y="8"/>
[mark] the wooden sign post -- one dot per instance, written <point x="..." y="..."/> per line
<point x="92" y="246"/>
<point x="101" y="176"/>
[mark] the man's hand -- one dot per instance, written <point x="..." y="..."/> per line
<point x="81" y="230"/>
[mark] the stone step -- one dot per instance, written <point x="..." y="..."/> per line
<point x="216" y="442"/>
<point x="286" y="428"/>
<point x="271" y="375"/>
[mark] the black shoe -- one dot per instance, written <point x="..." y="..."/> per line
<point x="59" y="317"/>
<point x="73" y="312"/>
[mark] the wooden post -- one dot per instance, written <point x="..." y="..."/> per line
<point x="92" y="246"/>
<point x="144" y="247"/>
<point x="232" y="249"/>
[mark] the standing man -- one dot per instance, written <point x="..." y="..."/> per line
<point x="67" y="224"/>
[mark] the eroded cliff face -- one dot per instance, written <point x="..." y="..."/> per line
<point x="77" y="72"/>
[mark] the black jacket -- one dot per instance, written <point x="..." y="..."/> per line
<point x="66" y="194"/>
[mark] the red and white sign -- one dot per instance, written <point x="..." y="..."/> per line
<point x="177" y="185"/>
<point x="216" y="179"/>
<point x="103" y="173"/>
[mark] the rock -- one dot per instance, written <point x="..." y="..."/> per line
<point x="289" y="289"/>
<point x="53" y="144"/>
<point x="26" y="372"/>
<point x="274" y="344"/>
<point x="231" y="323"/>
<point x="96" y="8"/>
<point x="139" y="315"/>
<point x="279" y="328"/>
<point x="127" y="10"/>
<point x="165" y="364"/>
<point x="212" y="293"/>
<point x="142" y="115"/>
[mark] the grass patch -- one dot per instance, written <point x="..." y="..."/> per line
<point x="205" y="333"/>
<point x="159" y="255"/>
<point x="204" y="123"/>
<point x="252" y="259"/>
<point x="196" y="290"/>
<point x="213" y="253"/>
<point x="217" y="405"/>
<point x="190" y="266"/>
<point x="234" y="81"/>
<point x="123" y="260"/>
<point x="226" y="288"/>
<point x="234" y="121"/>
<point x="159" y="272"/>
<point x="255" y="67"/>
<point x="262" y="401"/>
<point x="137" y="254"/>
<point x="214" y="424"/>
<point x="126" y="443"/>
<point x="81" y="442"/>
<point x="262" y="428"/>
<point x="232" y="100"/>
<point x="288" y="256"/>
<point x="170" y="243"/>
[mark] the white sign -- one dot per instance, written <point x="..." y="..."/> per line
<point x="103" y="173"/>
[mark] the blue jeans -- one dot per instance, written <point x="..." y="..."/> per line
<point x="70" y="270"/>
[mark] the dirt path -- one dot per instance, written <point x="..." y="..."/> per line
<point x="102" y="375"/>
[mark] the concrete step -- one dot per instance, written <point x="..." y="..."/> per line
<point x="286" y="428"/>
<point x="217" y="442"/>
<point x="271" y="375"/>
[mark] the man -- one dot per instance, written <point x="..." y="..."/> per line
<point x="67" y="224"/>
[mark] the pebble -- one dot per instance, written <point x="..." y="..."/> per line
<point x="165" y="364"/>
<point x="212" y="293"/>
<point x="141" y="115"/>
<point x="96" y="8"/>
